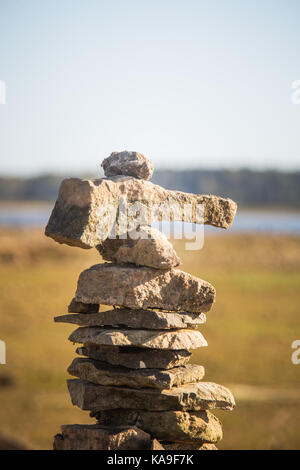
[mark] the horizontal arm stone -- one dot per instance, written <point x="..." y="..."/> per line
<point x="79" y="217"/>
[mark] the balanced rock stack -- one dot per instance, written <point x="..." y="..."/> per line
<point x="133" y="373"/>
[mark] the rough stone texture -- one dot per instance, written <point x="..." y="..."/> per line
<point x="97" y="437"/>
<point x="136" y="358"/>
<point x="185" y="446"/>
<point x="79" y="307"/>
<point x="194" y="427"/>
<point x="141" y="287"/>
<point x="81" y="216"/>
<point x="102" y="373"/>
<point x="128" y="164"/>
<point x="151" y="248"/>
<point x="156" y="445"/>
<point x="207" y="446"/>
<point x="148" y="319"/>
<point x="153" y="339"/>
<point x="196" y="396"/>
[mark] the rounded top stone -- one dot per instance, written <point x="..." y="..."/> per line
<point x="128" y="164"/>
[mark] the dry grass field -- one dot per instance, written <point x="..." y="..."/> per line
<point x="249" y="332"/>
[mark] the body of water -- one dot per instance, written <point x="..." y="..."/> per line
<point x="245" y="221"/>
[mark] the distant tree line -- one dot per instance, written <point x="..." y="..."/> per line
<point x="247" y="187"/>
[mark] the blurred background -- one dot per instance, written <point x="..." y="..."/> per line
<point x="210" y="92"/>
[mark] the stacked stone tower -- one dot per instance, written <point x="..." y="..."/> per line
<point x="133" y="372"/>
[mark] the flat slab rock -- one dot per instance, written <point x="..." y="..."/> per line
<point x="82" y="215"/>
<point x="196" y="396"/>
<point x="125" y="317"/>
<point x="147" y="247"/>
<point x="97" y="437"/>
<point x="129" y="164"/>
<point x="136" y="358"/>
<point x="194" y="427"/>
<point x="102" y="373"/>
<point x="153" y="339"/>
<point x="141" y="287"/>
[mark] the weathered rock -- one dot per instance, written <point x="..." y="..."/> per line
<point x="102" y="373"/>
<point x="128" y="164"/>
<point x="141" y="287"/>
<point x="186" y="446"/>
<point x="79" y="307"/>
<point x="148" y="319"/>
<point x="207" y="446"/>
<point x="147" y="247"/>
<point x="197" y="396"/>
<point x="194" y="427"/>
<point x="156" y="445"/>
<point x="153" y="339"/>
<point x="136" y="358"/>
<point x="85" y="211"/>
<point x="97" y="437"/>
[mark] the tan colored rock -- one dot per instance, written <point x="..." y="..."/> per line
<point x="97" y="437"/>
<point x="79" y="307"/>
<point x="151" y="248"/>
<point x="207" y="446"/>
<point x="141" y="287"/>
<point x="128" y="164"/>
<point x="136" y="358"/>
<point x="85" y="211"/>
<point x="185" y="446"/>
<point x="194" y="427"/>
<point x="124" y="317"/>
<point x="156" y="445"/>
<point x="153" y="339"/>
<point x="196" y="396"/>
<point x="101" y="373"/>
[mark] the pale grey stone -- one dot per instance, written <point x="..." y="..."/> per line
<point x="141" y="287"/>
<point x="136" y="358"/>
<point x="195" y="397"/>
<point x="153" y="339"/>
<point x="102" y="373"/>
<point x="82" y="215"/>
<point x="128" y="164"/>
<point x="193" y="427"/>
<point x="97" y="437"/>
<point x="125" y="317"/>
<point x="147" y="247"/>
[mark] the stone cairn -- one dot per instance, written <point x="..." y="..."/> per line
<point x="133" y="373"/>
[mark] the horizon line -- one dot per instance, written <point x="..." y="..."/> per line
<point x="250" y="169"/>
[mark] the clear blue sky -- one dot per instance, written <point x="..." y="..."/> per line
<point x="189" y="83"/>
